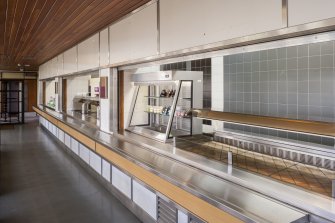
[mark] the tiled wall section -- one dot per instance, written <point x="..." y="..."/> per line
<point x="292" y="82"/>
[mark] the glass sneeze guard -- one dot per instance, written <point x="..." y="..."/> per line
<point x="163" y="109"/>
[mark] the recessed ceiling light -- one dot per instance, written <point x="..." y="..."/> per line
<point x="19" y="64"/>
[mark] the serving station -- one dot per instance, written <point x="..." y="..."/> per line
<point x="162" y="104"/>
<point x="115" y="159"/>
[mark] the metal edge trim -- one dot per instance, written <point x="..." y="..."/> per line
<point x="11" y="71"/>
<point x="158" y="18"/>
<point x="285" y="13"/>
<point x="83" y="72"/>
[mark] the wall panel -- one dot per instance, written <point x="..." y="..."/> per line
<point x="135" y="36"/>
<point x="70" y="60"/>
<point x="84" y="153"/>
<point x="145" y="198"/>
<point x="95" y="162"/>
<point x="190" y="23"/>
<point x="48" y="69"/>
<point x="104" y="48"/>
<point x="54" y="66"/>
<point x="88" y="53"/>
<point x="60" y="61"/>
<point x="305" y="11"/>
<point x="121" y="181"/>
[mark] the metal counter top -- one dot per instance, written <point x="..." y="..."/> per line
<point x="89" y="119"/>
<point x="230" y="189"/>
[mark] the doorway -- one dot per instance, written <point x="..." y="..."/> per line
<point x="11" y="101"/>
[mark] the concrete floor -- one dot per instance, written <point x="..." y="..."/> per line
<point x="40" y="182"/>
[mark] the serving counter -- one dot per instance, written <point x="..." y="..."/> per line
<point x="153" y="175"/>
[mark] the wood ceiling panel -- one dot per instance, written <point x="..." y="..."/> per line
<point x="22" y="10"/>
<point x="35" y="15"/>
<point x="54" y="31"/>
<point x="3" y="7"/>
<point x="76" y="19"/>
<point x="10" y="12"/>
<point x="15" y="26"/>
<point x="34" y="31"/>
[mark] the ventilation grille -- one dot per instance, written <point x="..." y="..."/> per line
<point x="275" y="150"/>
<point x="167" y="213"/>
<point x="194" y="219"/>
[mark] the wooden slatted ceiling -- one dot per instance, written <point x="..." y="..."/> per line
<point x="34" y="31"/>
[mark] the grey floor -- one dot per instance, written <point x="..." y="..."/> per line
<point x="40" y="182"/>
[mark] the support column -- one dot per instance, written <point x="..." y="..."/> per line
<point x="58" y="93"/>
<point x="114" y="105"/>
<point x="333" y="188"/>
<point x="217" y="89"/>
<point x="39" y="92"/>
<point x="105" y="103"/>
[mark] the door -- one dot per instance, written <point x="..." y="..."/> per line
<point x="30" y="100"/>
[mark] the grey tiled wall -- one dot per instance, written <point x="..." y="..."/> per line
<point x="292" y="82"/>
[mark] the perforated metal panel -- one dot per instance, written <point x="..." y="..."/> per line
<point x="194" y="219"/>
<point x="166" y="211"/>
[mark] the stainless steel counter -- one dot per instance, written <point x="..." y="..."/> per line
<point x="90" y="118"/>
<point x="245" y="195"/>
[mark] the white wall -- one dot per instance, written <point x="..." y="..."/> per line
<point x="60" y="64"/>
<point x="49" y="90"/>
<point x="105" y="111"/>
<point x="135" y="36"/>
<point x="104" y="47"/>
<point x="76" y="86"/>
<point x="41" y="71"/>
<point x="88" y="53"/>
<point x="190" y="23"/>
<point x="48" y="69"/>
<point x="54" y="66"/>
<point x="305" y="11"/>
<point x="70" y="60"/>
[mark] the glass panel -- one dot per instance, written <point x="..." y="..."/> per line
<point x="153" y="106"/>
<point x="82" y="94"/>
<point x="182" y="120"/>
<point x="50" y="95"/>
